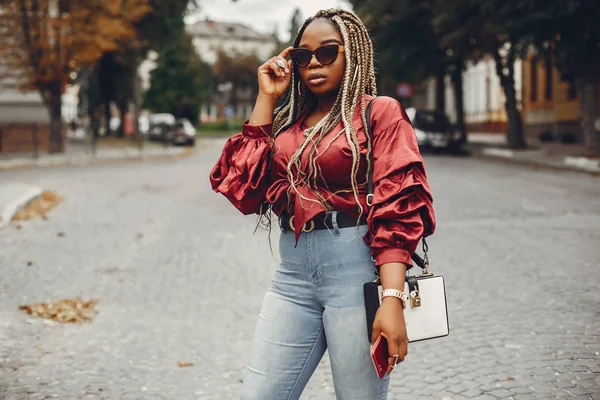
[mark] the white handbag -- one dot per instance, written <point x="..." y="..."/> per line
<point x="426" y="312"/>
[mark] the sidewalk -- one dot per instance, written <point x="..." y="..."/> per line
<point x="13" y="197"/>
<point x="571" y="157"/>
<point x="79" y="153"/>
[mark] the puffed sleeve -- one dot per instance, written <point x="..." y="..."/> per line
<point x="241" y="173"/>
<point x="402" y="210"/>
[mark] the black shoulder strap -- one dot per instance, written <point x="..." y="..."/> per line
<point x="370" y="189"/>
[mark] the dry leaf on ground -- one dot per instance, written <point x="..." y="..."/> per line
<point x="64" y="310"/>
<point x="38" y="208"/>
<point x="184" y="364"/>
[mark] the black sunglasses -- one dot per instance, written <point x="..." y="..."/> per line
<point x="325" y="55"/>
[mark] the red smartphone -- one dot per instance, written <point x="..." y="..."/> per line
<point x="380" y="356"/>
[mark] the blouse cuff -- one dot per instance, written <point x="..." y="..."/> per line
<point x="257" y="131"/>
<point x="393" y="255"/>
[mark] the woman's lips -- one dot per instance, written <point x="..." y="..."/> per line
<point x="316" y="79"/>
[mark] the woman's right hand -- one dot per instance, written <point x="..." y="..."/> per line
<point x="273" y="80"/>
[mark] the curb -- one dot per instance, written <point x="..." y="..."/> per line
<point x="497" y="152"/>
<point x="583" y="163"/>
<point x="84" y="161"/>
<point x="10" y="209"/>
<point x="572" y="164"/>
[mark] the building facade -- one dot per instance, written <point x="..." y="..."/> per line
<point x="234" y="39"/>
<point x="24" y="120"/>
<point x="483" y="96"/>
<point x="551" y="105"/>
<point x="211" y="37"/>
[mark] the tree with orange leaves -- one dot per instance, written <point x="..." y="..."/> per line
<point x="43" y="42"/>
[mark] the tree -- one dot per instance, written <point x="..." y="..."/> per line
<point x="164" y="23"/>
<point x="296" y="21"/>
<point x="46" y="41"/>
<point x="402" y="55"/>
<point x="117" y="70"/>
<point x="180" y="82"/>
<point x="495" y="27"/>
<point x="571" y="33"/>
<point x="240" y="71"/>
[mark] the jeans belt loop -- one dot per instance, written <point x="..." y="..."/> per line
<point x="336" y="228"/>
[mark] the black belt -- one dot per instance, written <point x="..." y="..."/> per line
<point x="321" y="221"/>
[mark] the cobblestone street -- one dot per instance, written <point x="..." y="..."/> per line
<point x="179" y="276"/>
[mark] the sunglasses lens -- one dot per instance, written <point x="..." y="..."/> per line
<point x="327" y="54"/>
<point x="301" y="57"/>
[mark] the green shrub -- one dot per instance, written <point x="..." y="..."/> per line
<point x="220" y="126"/>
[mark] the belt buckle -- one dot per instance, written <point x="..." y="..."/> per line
<point x="310" y="223"/>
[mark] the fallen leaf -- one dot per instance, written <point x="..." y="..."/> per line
<point x="509" y="378"/>
<point x="64" y="310"/>
<point x="184" y="364"/>
<point x="38" y="208"/>
<point x="60" y="234"/>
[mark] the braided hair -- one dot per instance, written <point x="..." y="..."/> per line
<point x="358" y="80"/>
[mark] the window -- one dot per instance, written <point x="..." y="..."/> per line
<point x="549" y="76"/>
<point x="534" y="79"/>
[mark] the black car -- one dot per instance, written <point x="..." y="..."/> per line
<point x="434" y="131"/>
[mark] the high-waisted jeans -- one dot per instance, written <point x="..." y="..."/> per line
<point x="315" y="303"/>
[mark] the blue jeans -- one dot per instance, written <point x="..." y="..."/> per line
<point x="315" y="303"/>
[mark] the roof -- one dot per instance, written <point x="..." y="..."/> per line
<point x="208" y="28"/>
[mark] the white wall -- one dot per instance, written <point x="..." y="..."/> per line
<point x="483" y="95"/>
<point x="22" y="107"/>
<point x="208" y="47"/>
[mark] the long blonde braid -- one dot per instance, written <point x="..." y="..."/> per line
<point x="359" y="79"/>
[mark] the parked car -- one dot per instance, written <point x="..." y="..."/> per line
<point x="183" y="132"/>
<point x="159" y="126"/>
<point x="433" y="130"/>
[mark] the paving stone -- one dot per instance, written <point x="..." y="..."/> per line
<point x="155" y="246"/>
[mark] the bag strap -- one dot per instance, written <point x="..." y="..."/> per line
<point x="422" y="263"/>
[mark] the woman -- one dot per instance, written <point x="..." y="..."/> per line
<point x="307" y="162"/>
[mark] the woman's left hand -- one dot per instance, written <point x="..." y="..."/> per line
<point x="389" y="322"/>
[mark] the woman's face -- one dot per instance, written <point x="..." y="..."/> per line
<point x="322" y="80"/>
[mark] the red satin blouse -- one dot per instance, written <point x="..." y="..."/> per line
<point x="402" y="210"/>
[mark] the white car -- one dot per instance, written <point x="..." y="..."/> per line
<point x="183" y="132"/>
